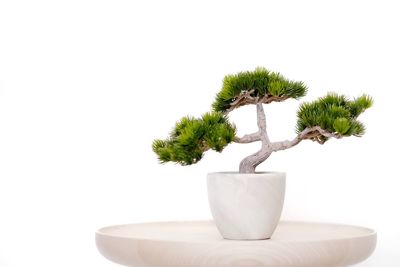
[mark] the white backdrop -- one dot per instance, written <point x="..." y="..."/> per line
<point x="85" y="86"/>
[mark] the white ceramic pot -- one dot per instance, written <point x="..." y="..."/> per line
<point x="246" y="206"/>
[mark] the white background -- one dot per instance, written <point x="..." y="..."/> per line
<point x="85" y="86"/>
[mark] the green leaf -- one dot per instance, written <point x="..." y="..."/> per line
<point x="357" y="128"/>
<point x="334" y="113"/>
<point x="360" y="104"/>
<point x="191" y="137"/>
<point x="341" y="125"/>
<point x="261" y="81"/>
<point x="276" y="88"/>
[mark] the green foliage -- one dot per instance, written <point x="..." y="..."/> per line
<point x="334" y="113"/>
<point x="341" y="125"/>
<point x="262" y="82"/>
<point x="360" y="104"/>
<point x="332" y="116"/>
<point x="191" y="137"/>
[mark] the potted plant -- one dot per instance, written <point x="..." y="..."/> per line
<point x="248" y="204"/>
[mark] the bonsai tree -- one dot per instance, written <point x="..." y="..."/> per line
<point x="331" y="116"/>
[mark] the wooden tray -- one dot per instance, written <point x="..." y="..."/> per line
<point x="198" y="244"/>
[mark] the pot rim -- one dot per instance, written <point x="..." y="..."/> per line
<point x="253" y="173"/>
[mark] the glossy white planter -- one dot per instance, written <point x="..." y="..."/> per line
<point x="246" y="205"/>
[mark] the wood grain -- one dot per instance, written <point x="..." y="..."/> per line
<point x="198" y="244"/>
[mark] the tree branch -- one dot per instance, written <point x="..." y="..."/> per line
<point x="243" y="98"/>
<point x="248" y="138"/>
<point x="269" y="98"/>
<point x="309" y="133"/>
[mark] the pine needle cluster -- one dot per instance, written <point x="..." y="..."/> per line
<point x="334" y="113"/>
<point x="191" y="137"/>
<point x="259" y="84"/>
<point x="331" y="116"/>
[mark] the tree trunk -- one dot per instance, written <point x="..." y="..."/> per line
<point x="249" y="164"/>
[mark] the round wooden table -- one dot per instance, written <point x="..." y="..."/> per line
<point x="199" y="244"/>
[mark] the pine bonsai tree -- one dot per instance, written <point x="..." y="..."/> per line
<point x="332" y="116"/>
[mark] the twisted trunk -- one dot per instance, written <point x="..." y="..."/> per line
<point x="250" y="163"/>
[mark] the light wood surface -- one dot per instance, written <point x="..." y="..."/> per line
<point x="199" y="244"/>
